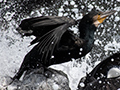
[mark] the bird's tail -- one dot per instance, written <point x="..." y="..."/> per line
<point x="19" y="73"/>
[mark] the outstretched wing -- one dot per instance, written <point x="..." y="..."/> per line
<point x="48" y="31"/>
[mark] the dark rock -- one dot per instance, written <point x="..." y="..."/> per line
<point x="105" y="76"/>
<point x="41" y="79"/>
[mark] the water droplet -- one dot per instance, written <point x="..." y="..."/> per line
<point x="82" y="84"/>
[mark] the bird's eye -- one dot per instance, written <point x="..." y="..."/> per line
<point x="98" y="13"/>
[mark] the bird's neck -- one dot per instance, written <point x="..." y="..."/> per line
<point x="87" y="31"/>
<point x="87" y="34"/>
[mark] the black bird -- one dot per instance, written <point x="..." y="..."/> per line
<point x="56" y="42"/>
<point x="105" y="76"/>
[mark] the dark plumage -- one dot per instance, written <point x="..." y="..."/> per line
<point x="56" y="43"/>
<point x="105" y="76"/>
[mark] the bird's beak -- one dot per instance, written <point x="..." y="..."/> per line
<point x="98" y="19"/>
<point x="106" y="14"/>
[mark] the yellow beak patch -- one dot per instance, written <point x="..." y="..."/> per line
<point x="99" y="19"/>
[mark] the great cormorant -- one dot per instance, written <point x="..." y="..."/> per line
<point x="56" y="42"/>
<point x="105" y="76"/>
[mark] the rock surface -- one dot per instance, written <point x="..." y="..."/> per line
<point x="42" y="79"/>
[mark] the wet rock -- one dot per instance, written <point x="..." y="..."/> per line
<point x="41" y="79"/>
<point x="105" y="76"/>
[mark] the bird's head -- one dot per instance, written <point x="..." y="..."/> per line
<point x="97" y="17"/>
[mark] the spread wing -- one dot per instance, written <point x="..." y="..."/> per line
<point x="48" y="31"/>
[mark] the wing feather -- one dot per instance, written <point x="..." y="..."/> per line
<point x="51" y="40"/>
<point x="48" y="31"/>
